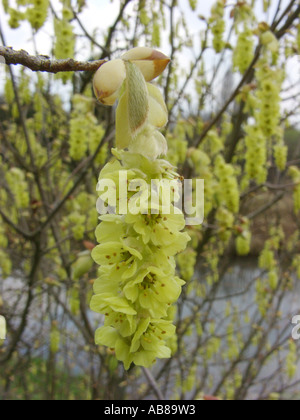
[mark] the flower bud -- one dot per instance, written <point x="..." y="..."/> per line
<point x="82" y="265"/>
<point x="270" y="41"/>
<point x="108" y="81"/>
<point x="151" y="62"/>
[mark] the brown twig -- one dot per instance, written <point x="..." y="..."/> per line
<point x="266" y="207"/>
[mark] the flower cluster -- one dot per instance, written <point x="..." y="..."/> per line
<point x="186" y="262"/>
<point x="37" y="13"/>
<point x="85" y="133"/>
<point x="229" y="189"/>
<point x="5" y="4"/>
<point x="81" y="217"/>
<point x="64" y="39"/>
<point x="213" y="144"/>
<point x="15" y="178"/>
<point x="39" y="106"/>
<point x="292" y="360"/>
<point x="268" y="94"/>
<point x="2" y="328"/>
<point x="296" y="264"/>
<point x="54" y="338"/>
<point x="143" y="13"/>
<point x="243" y="53"/>
<point x="256" y="155"/>
<point x="243" y="243"/>
<point x="244" y="238"/>
<point x="16" y="16"/>
<point x="225" y="221"/>
<point x="242" y="13"/>
<point x="193" y="4"/>
<point x="270" y="44"/>
<point x="268" y="262"/>
<point x="137" y="285"/>
<point x="294" y="172"/>
<point x="5" y="263"/>
<point x="280" y="155"/>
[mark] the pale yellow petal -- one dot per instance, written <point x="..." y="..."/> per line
<point x="151" y="62"/>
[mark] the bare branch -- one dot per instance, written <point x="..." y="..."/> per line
<point x="45" y="64"/>
<point x="247" y="76"/>
<point x="87" y="34"/>
<point x="60" y="203"/>
<point x="266" y="207"/>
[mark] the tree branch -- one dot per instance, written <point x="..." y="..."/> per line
<point x="249" y="73"/>
<point x="85" y="169"/>
<point x="45" y="64"/>
<point x="87" y="34"/>
<point x="247" y="76"/>
<point x="266" y="207"/>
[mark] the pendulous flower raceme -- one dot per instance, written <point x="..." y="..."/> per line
<point x="137" y="285"/>
<point x="35" y="11"/>
<point x="243" y="53"/>
<point x="65" y="39"/>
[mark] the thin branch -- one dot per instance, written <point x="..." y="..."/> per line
<point x="20" y="109"/>
<point x="115" y="24"/>
<point x="16" y="228"/>
<point x="283" y="15"/>
<point x="244" y="80"/>
<point x="93" y="41"/>
<point x="266" y="207"/>
<point x="107" y="47"/>
<point x="289" y="22"/>
<point x="281" y="187"/>
<point x="190" y="75"/>
<point x="45" y="64"/>
<point x="277" y="11"/>
<point x="173" y="50"/>
<point x="249" y="73"/>
<point x="13" y="149"/>
<point x="61" y="203"/>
